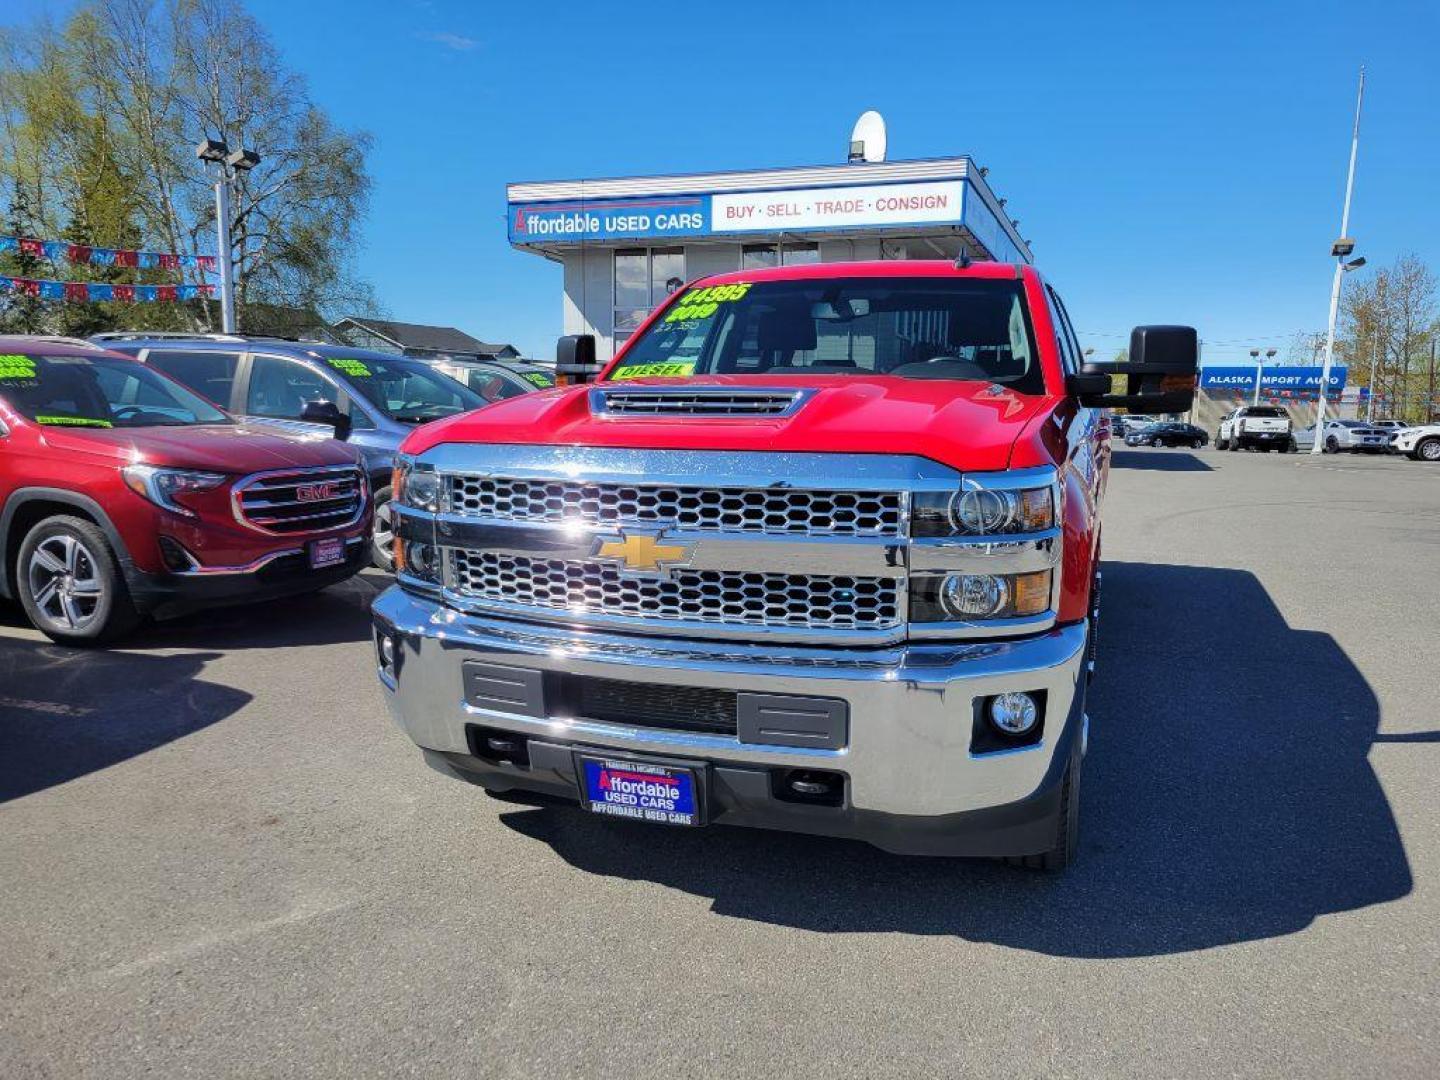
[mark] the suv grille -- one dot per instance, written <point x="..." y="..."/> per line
<point x="766" y="510"/>
<point x="300" y="500"/>
<point x="716" y="596"/>
<point x="696" y="402"/>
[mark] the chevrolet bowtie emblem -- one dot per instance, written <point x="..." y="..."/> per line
<point x="641" y="552"/>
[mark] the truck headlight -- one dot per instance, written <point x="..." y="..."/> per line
<point x="412" y="484"/>
<point x="979" y="510"/>
<point x="977" y="597"/>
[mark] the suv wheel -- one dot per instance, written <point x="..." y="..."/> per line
<point x="70" y="583"/>
<point x="1428" y="449"/>
<point x="382" y="542"/>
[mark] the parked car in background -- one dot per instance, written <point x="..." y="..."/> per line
<point x="495" y="380"/>
<point x="1125" y="424"/>
<point x="123" y="494"/>
<point x="1255" y="427"/>
<point x="384" y="396"/>
<point x="1168" y="433"/>
<point x="1352" y="436"/>
<point x="1421" y="442"/>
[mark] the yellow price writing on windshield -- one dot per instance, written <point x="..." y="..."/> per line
<point x="72" y="421"/>
<point x="351" y="367"/>
<point x="702" y="303"/>
<point x="15" y="366"/>
<point x="666" y="369"/>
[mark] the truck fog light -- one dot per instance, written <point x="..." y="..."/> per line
<point x="385" y="646"/>
<point x="973" y="596"/>
<point x="1014" y="713"/>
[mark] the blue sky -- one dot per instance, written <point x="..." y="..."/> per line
<point x="1170" y="163"/>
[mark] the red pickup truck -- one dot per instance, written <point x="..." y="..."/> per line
<point x="818" y="551"/>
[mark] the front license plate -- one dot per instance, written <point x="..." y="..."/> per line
<point x="328" y="551"/>
<point x="641" y="790"/>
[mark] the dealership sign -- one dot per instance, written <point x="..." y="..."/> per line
<point x="837" y="208"/>
<point x="609" y="219"/>
<point x="809" y="209"/>
<point x="1275" y="378"/>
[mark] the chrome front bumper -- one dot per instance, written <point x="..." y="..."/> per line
<point x="913" y="782"/>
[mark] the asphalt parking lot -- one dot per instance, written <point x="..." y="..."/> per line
<point x="218" y="857"/>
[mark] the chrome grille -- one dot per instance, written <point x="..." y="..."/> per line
<point x="714" y="596"/>
<point x="696" y="402"/>
<point x="300" y="500"/>
<point x="764" y="510"/>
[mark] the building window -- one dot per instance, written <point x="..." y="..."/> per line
<point x="644" y="277"/>
<point x="759" y="256"/>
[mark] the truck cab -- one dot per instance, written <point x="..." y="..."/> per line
<point x="817" y="551"/>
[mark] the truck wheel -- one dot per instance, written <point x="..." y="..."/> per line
<point x="1067" y="830"/>
<point x="70" y="583"/>
<point x="1221" y="444"/>
<point x="1427" y="450"/>
<point x="382" y="541"/>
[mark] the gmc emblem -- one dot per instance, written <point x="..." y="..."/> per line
<point x="317" y="492"/>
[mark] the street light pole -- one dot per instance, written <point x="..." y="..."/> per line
<point x="228" y="166"/>
<point x="222" y="240"/>
<point x="1374" y="368"/>
<point x="1341" y="249"/>
<point x="1260" y="369"/>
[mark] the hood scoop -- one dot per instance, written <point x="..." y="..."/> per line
<point x="722" y="401"/>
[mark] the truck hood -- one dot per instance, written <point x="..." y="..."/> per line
<point x="966" y="425"/>
<point x="228" y="448"/>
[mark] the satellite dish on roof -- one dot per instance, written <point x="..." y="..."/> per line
<point x="867" y="140"/>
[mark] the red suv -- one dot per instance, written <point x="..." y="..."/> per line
<point x="123" y="494"/>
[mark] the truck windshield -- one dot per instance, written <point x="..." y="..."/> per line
<point x="913" y="328"/>
<point x="98" y="392"/>
<point x="408" y="391"/>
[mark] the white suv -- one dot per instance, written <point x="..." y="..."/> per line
<point x="1255" y="427"/>
<point x="1421" y="442"/>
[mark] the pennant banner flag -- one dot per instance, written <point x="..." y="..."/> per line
<point x="83" y="255"/>
<point x="95" y="291"/>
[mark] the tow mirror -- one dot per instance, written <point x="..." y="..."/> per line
<point x="575" y="359"/>
<point x="1159" y="374"/>
<point x="327" y="412"/>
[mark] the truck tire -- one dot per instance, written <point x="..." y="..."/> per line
<point x="1427" y="449"/>
<point x="70" y="585"/>
<point x="1221" y="444"/>
<point x="1067" y="825"/>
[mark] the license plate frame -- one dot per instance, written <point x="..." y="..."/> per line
<point x="326" y="552"/>
<point x="644" y="780"/>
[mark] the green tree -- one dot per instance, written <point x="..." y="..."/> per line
<point x="98" y="122"/>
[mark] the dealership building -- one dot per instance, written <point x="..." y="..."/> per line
<point x="625" y="243"/>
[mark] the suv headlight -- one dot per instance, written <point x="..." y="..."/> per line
<point x="161" y="485"/>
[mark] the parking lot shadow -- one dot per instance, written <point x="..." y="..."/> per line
<point x="66" y="712"/>
<point x="336" y="615"/>
<point x="1227" y="797"/>
<point x="1158" y="460"/>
